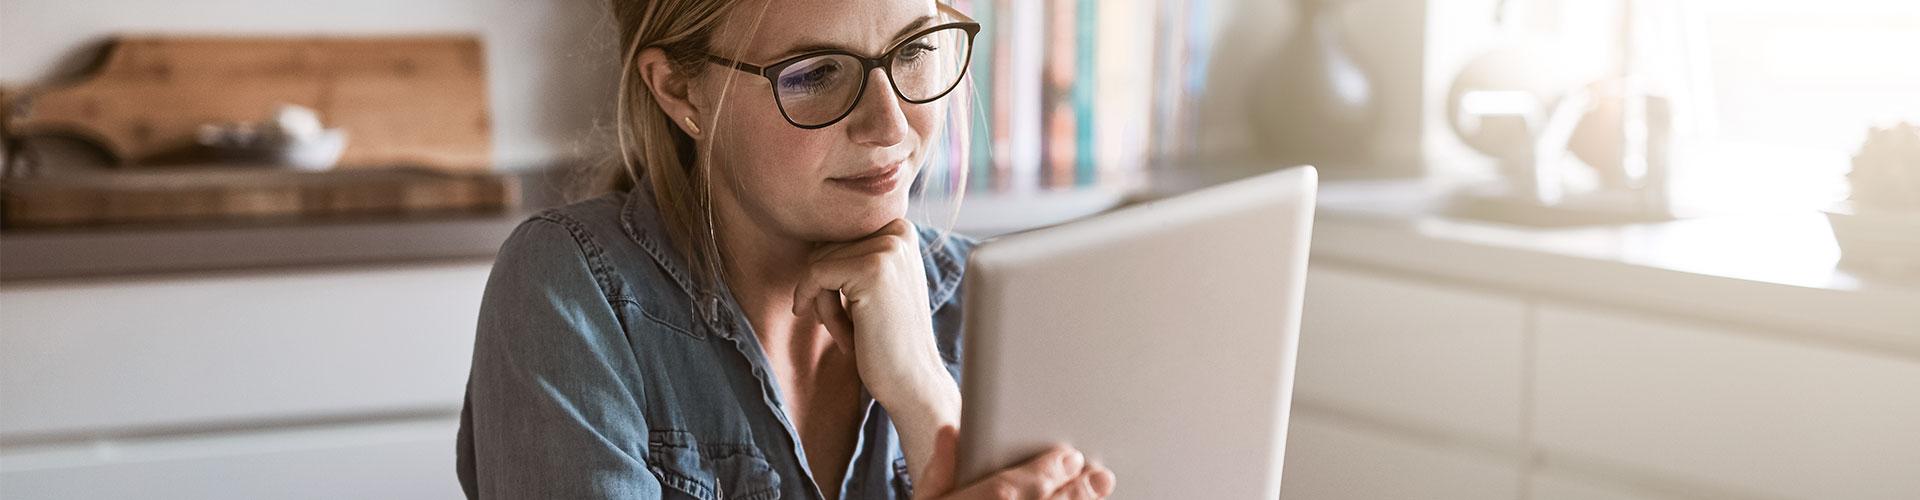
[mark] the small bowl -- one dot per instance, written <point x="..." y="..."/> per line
<point x="1877" y="240"/>
<point x="318" y="153"/>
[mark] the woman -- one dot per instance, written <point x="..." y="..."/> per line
<point x="745" y="313"/>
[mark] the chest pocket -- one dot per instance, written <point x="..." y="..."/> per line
<point x="709" y="471"/>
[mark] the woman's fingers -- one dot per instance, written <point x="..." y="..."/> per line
<point x="821" y="279"/>
<point x="833" y="314"/>
<point x="1037" y="479"/>
<point x="889" y="236"/>
<point x="844" y="266"/>
<point x="1103" y="480"/>
<point x="1060" y="473"/>
<point x="850" y="273"/>
<point x="1095" y="482"/>
<point x="820" y="297"/>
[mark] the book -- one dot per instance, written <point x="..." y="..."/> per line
<point x="979" y="92"/>
<point x="1123" y="88"/>
<point x="1082" y="93"/>
<point x="1076" y="94"/>
<point x="1061" y="75"/>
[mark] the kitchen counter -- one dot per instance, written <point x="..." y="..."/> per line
<point x="1778" y="271"/>
<point x="84" y="254"/>
<point x="1728" y="356"/>
<point x="1769" y="271"/>
<point x="1772" y="271"/>
<point x="39" y="255"/>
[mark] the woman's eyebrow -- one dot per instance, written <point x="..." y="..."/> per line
<point x="918" y="23"/>
<point x="817" y="46"/>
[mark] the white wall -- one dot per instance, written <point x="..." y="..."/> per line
<point x="552" y="69"/>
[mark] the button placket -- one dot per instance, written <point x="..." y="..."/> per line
<point x="747" y="345"/>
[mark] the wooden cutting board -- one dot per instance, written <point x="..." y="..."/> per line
<point x="413" y="101"/>
<point x="242" y="194"/>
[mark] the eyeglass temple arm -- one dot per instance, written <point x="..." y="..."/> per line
<point x="750" y="68"/>
<point x="948" y="9"/>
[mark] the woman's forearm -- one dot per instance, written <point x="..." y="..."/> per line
<point x="934" y="404"/>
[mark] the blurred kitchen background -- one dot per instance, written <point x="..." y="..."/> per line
<point x="1582" y="249"/>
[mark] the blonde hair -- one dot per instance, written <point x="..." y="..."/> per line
<point x="652" y="147"/>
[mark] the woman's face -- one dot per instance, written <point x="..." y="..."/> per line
<point x="835" y="183"/>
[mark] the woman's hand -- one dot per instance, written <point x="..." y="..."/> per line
<point x="1058" y="473"/>
<point x="872" y="296"/>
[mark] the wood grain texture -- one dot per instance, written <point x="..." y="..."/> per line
<point x="236" y="194"/>
<point x="414" y="101"/>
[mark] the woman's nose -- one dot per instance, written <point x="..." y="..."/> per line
<point x="878" y="119"/>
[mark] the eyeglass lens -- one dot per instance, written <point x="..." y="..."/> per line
<point x="821" y="89"/>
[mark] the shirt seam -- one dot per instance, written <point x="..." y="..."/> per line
<point x="590" y="250"/>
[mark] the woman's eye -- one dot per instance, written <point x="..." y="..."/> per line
<point x="810" y="78"/>
<point x="917" y="49"/>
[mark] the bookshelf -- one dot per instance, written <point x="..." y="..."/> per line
<point x="1065" y="105"/>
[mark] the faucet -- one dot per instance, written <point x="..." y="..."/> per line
<point x="1538" y="138"/>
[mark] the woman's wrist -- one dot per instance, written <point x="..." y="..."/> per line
<point x="921" y="399"/>
<point x="935" y="399"/>
<point x="920" y="416"/>
<point x="924" y="391"/>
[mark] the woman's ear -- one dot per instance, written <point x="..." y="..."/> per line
<point x="670" y="88"/>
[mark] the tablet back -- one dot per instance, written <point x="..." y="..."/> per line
<point x="1159" y="339"/>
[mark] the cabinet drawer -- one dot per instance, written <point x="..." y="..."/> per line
<point x="1410" y="351"/>
<point x="1733" y="410"/>
<point x="90" y="357"/>
<point x="412" y="460"/>
<point x="1329" y="461"/>
<point x="1555" y="485"/>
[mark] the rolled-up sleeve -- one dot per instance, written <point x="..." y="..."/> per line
<point x="553" y="403"/>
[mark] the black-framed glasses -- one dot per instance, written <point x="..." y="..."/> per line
<point x="818" y="89"/>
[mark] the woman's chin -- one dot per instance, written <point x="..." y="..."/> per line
<point x="855" y="222"/>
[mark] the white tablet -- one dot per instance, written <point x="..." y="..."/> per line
<point x="1158" y="338"/>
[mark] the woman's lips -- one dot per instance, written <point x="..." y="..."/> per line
<point x="881" y="182"/>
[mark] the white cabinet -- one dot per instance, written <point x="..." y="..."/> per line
<point x="1405" y="389"/>
<point x="1557" y="485"/>
<point x="410" y="460"/>
<point x="329" y="383"/>
<point x="1406" y="382"/>
<point x="1329" y="461"/>
<point x="1411" y="352"/>
<point x="1751" y="412"/>
<point x="92" y="357"/>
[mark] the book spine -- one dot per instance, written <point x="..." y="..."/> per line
<point x="1067" y="94"/>
<point x="1124" y="88"/>
<point x="1084" y="87"/>
<point x="1059" y="117"/>
<point x="1001" y="109"/>
<point x="1025" y="88"/>
<point x="978" y="91"/>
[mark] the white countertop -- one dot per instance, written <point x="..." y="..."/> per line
<point x="1771" y="271"/>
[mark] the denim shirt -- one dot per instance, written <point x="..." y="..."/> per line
<point x="600" y="370"/>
